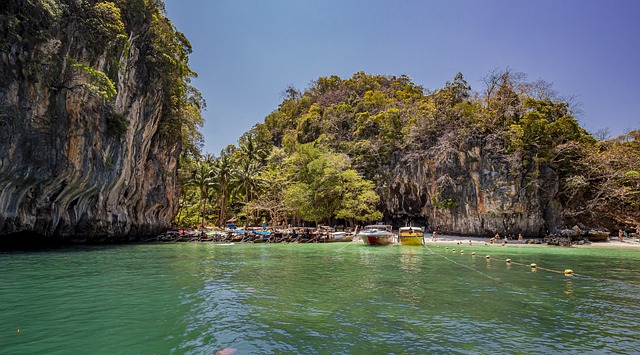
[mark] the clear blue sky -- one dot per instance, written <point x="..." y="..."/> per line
<point x="247" y="52"/>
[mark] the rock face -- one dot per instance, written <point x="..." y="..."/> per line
<point x="471" y="192"/>
<point x="65" y="171"/>
<point x="598" y="235"/>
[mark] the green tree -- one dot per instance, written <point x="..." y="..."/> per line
<point x="326" y="187"/>
<point x="604" y="185"/>
<point x="203" y="178"/>
<point x="223" y="172"/>
<point x="358" y="199"/>
<point x="248" y="180"/>
<point x="271" y="199"/>
<point x="188" y="197"/>
<point x="252" y="147"/>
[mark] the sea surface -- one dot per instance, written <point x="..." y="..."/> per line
<point x="340" y="298"/>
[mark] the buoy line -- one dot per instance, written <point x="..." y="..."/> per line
<point x="488" y="257"/>
<point x="571" y="273"/>
<point x="465" y="266"/>
<point x="566" y="272"/>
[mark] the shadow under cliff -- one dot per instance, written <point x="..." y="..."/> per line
<point x="30" y="241"/>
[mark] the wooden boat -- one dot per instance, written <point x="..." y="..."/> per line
<point x="261" y="236"/>
<point x="339" y="237"/>
<point x="410" y="236"/>
<point x="377" y="234"/>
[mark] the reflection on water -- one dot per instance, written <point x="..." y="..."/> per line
<point x="334" y="298"/>
<point x="410" y="258"/>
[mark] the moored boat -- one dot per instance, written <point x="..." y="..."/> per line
<point x="339" y="237"/>
<point x="377" y="234"/>
<point x="410" y="236"/>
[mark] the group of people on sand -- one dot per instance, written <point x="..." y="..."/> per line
<point x="496" y="239"/>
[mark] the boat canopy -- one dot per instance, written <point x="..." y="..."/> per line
<point x="410" y="229"/>
<point x="378" y="226"/>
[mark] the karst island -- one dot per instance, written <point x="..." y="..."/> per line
<point x="363" y="177"/>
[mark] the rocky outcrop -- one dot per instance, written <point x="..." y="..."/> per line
<point x="75" y="161"/>
<point x="558" y="241"/>
<point x="471" y="192"/>
<point x="598" y="235"/>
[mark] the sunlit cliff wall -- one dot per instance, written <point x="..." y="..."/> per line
<point x="489" y="197"/>
<point x="78" y="160"/>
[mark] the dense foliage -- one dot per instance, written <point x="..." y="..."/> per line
<point x="98" y="36"/>
<point x="325" y="151"/>
<point x="313" y="184"/>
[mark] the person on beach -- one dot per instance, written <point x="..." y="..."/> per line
<point x="520" y="238"/>
<point x="620" y="234"/>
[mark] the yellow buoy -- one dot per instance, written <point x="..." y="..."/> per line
<point x="533" y="265"/>
<point x="488" y="257"/>
<point x="568" y="272"/>
<point x="446" y="247"/>
<point x="461" y="251"/>
<point x="508" y="260"/>
<point x="473" y="253"/>
<point x="453" y="250"/>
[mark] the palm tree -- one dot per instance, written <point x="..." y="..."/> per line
<point x="203" y="179"/>
<point x="248" y="179"/>
<point x="253" y="160"/>
<point x="250" y="151"/>
<point x="223" y="172"/>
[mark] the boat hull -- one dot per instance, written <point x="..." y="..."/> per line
<point x="348" y="238"/>
<point x="410" y="236"/>
<point x="377" y="239"/>
<point x="377" y="234"/>
<point x="410" y="239"/>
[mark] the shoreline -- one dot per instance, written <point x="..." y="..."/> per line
<point x="451" y="239"/>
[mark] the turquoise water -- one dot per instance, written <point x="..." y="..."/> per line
<point x="341" y="298"/>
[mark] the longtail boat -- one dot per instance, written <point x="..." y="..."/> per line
<point x="339" y="237"/>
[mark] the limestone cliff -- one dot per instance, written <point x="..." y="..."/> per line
<point x="86" y="147"/>
<point x="509" y="159"/>
<point x="489" y="196"/>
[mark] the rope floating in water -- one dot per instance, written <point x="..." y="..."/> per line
<point x="533" y="267"/>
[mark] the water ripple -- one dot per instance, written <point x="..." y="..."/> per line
<point x="272" y="299"/>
